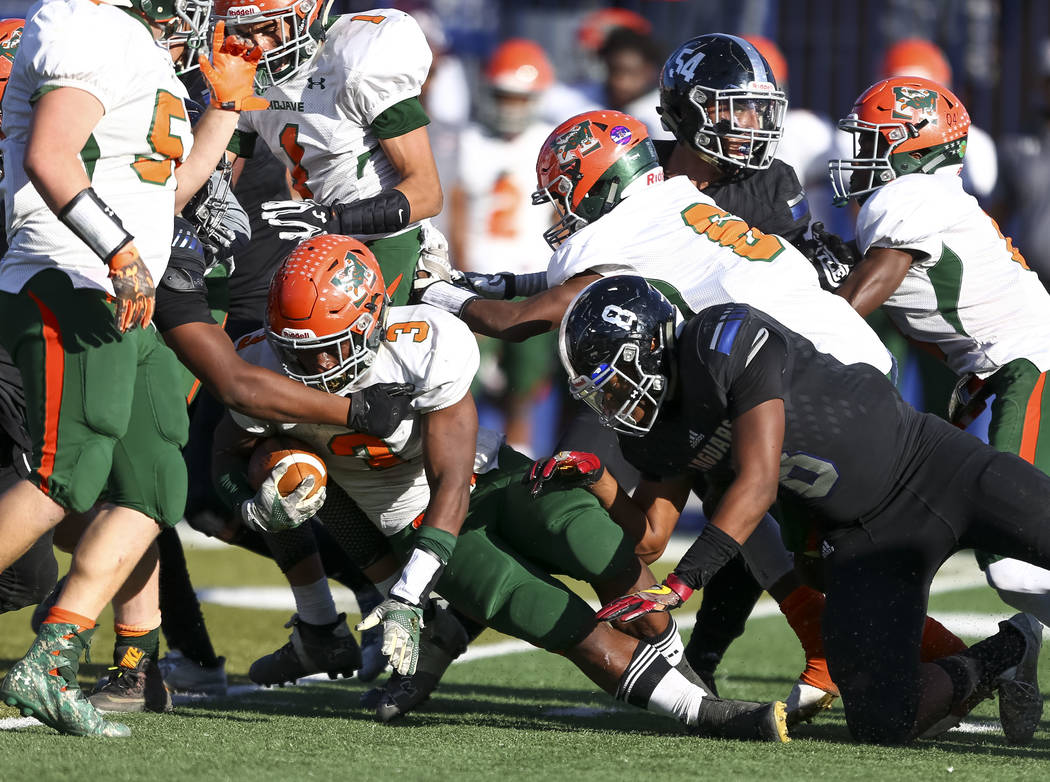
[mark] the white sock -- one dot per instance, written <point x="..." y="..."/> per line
<point x="669" y="643"/>
<point x="652" y="684"/>
<point x="314" y="603"/>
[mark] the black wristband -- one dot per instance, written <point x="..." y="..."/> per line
<point x="381" y="214"/>
<point x="706" y="557"/>
<point x="526" y="284"/>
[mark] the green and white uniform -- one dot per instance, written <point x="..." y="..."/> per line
<point x="103" y="408"/>
<point x="500" y="569"/>
<point x="970" y="293"/>
<point x="325" y="124"/>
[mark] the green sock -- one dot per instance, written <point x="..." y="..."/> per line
<point x="149" y="644"/>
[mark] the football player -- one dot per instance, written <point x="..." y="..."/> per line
<point x="601" y="163"/>
<point x="946" y="275"/>
<point x="761" y="412"/>
<point x="30" y="578"/>
<point x="493" y="226"/>
<point x="91" y="187"/>
<point x="346" y="120"/>
<point x="449" y="497"/>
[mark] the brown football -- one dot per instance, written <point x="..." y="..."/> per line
<point x="296" y="454"/>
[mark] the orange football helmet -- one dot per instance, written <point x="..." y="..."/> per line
<point x="10" y="37"/>
<point x="515" y="77"/>
<point x="917" y="57"/>
<point x="301" y="25"/>
<point x="904" y="125"/>
<point x="326" y="311"/>
<point x="586" y="166"/>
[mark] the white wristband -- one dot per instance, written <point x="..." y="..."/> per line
<point x="416" y="578"/>
<point x="95" y="224"/>
<point x="446" y="296"/>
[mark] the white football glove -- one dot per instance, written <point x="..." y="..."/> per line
<point x="269" y="511"/>
<point x="401" y="625"/>
<point x="433" y="263"/>
<point x="301" y="220"/>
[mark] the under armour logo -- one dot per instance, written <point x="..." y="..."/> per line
<point x="311" y="83"/>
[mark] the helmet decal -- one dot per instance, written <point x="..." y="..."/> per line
<point x="355" y="279"/>
<point x="914" y="104"/>
<point x="577" y="142"/>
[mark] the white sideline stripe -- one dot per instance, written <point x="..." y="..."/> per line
<point x="958" y="573"/>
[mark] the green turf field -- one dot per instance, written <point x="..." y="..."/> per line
<point x="526" y="715"/>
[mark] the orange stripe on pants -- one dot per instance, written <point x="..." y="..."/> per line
<point x="54" y="373"/>
<point x="1032" y="415"/>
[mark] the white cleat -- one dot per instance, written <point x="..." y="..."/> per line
<point x="806" y="701"/>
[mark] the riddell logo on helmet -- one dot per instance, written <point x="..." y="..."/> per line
<point x="298" y="333"/>
<point x="243" y="10"/>
<point x="576" y="142"/>
<point x="761" y="86"/>
<point x="914" y="104"/>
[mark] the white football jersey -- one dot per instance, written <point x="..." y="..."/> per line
<point x="130" y="156"/>
<point x="319" y="124"/>
<point x="498" y="176"/>
<point x="698" y="255"/>
<point x="424" y="346"/>
<point x="971" y="294"/>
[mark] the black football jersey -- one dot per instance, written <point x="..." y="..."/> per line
<point x="849" y="438"/>
<point x="771" y="200"/>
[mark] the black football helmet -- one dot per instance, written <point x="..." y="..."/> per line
<point x="615" y="343"/>
<point x="719" y="97"/>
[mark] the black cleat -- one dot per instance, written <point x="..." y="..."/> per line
<point x="136" y="684"/>
<point x="311" y="649"/>
<point x="743" y="720"/>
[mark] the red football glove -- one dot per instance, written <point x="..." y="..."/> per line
<point x="659" y="597"/>
<point x="566" y="468"/>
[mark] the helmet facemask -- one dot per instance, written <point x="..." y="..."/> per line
<point x="188" y="29"/>
<point x="351" y="350"/>
<point x="624" y="395"/>
<point x="876" y="160"/>
<point x="298" y="38"/>
<point x="559" y="194"/>
<point x="743" y="128"/>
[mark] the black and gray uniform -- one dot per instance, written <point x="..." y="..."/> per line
<point x="892" y="492"/>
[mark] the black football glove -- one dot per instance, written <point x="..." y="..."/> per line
<point x="378" y="410"/>
<point x="832" y="257"/>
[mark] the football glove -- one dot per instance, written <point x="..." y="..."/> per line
<point x="659" y="597"/>
<point x="299" y="220"/>
<point x="379" y="409"/>
<point x="269" y="511"/>
<point x="231" y="72"/>
<point x="832" y="258"/>
<point x="566" y="469"/>
<point x="133" y="288"/>
<point x="401" y="625"/>
<point x="969" y="399"/>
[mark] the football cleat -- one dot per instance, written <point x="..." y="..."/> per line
<point x="813" y="692"/>
<point x="743" y="720"/>
<point x="43" y="684"/>
<point x="183" y="675"/>
<point x="442" y="640"/>
<point x="310" y="649"/>
<point x="1020" y="703"/>
<point x="135" y="684"/>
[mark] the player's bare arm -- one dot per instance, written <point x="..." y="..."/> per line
<point x="206" y="350"/>
<point x="62" y="123"/>
<point x="875" y="278"/>
<point x="758" y="438"/>
<point x="516" y="321"/>
<point x="449" y="437"/>
<point x="230" y="75"/>
<point x="411" y="155"/>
